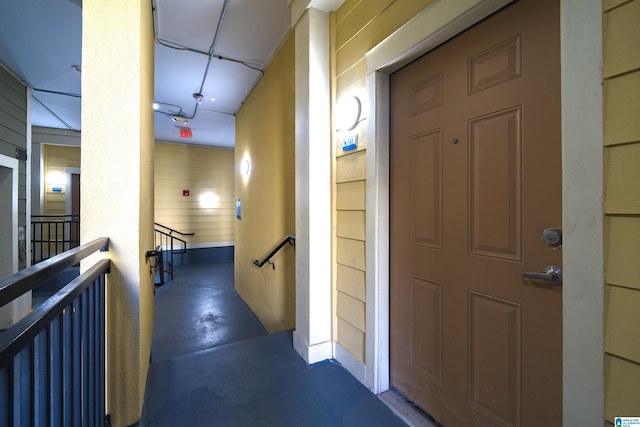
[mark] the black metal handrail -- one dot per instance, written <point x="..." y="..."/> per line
<point x="52" y="362"/>
<point x="168" y="242"/>
<point x="289" y="239"/>
<point x="23" y="281"/>
<point x="171" y="230"/>
<point x="53" y="234"/>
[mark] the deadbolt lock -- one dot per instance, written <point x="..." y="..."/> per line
<point x="552" y="237"/>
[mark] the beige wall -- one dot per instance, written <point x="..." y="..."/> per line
<point x="209" y="210"/>
<point x="265" y="135"/>
<point x="621" y="73"/>
<point x="356" y="28"/>
<point x="57" y="158"/>
<point x="40" y="137"/>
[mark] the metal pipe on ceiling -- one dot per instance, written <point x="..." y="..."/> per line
<point x="210" y="54"/>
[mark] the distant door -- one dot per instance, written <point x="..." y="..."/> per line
<point x="75" y="209"/>
<point x="475" y="181"/>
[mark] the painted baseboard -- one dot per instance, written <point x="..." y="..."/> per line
<point x="312" y="353"/>
<point x="350" y="363"/>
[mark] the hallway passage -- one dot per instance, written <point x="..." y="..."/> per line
<point x="214" y="365"/>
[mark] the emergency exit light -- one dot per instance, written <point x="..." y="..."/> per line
<point x="185" y="133"/>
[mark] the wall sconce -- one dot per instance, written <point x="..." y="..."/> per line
<point x="348" y="113"/>
<point x="209" y="200"/>
<point x="56" y="178"/>
<point x="245" y="167"/>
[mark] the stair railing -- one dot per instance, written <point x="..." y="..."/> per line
<point x="267" y="260"/>
<point x="171" y="244"/>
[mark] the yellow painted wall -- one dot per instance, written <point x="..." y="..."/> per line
<point x="356" y="27"/>
<point x="621" y="74"/>
<point x="265" y="131"/>
<point x="208" y="174"/>
<point x="57" y="158"/>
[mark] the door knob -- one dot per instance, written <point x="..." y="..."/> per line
<point x="551" y="273"/>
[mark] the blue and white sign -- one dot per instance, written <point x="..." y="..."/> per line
<point x="627" y="421"/>
<point x="350" y="143"/>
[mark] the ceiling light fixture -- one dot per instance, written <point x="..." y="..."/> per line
<point x="156" y="105"/>
<point x="180" y="119"/>
<point x="198" y="97"/>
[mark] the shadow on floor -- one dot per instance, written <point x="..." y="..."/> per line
<point x="214" y="365"/>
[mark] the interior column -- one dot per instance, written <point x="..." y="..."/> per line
<point x="117" y="185"/>
<point x="312" y="337"/>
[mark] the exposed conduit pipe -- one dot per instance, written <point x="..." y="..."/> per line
<point x="209" y="54"/>
<point x="54" y="114"/>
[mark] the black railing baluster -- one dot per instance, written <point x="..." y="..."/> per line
<point x="55" y="371"/>
<point x="26" y="385"/>
<point x="51" y="370"/>
<point x="84" y="345"/>
<point x="100" y="309"/>
<point x="42" y="377"/>
<point x="5" y="395"/>
<point x="67" y="370"/>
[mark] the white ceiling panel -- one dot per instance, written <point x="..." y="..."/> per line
<point x="41" y="39"/>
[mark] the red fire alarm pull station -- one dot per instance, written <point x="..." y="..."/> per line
<point x="185" y="133"/>
<point x="185" y="193"/>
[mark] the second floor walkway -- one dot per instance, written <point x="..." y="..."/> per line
<point x="214" y="365"/>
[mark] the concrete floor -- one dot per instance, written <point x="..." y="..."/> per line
<point x="214" y="365"/>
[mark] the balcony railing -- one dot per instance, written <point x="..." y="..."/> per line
<point x="52" y="235"/>
<point x="52" y="362"/>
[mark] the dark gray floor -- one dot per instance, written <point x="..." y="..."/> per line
<point x="213" y="365"/>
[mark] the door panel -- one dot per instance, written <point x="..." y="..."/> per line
<point x="475" y="180"/>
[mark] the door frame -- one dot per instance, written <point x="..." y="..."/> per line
<point x="582" y="136"/>
<point x="13" y="165"/>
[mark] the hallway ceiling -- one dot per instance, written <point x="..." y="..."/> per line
<point x="40" y="42"/>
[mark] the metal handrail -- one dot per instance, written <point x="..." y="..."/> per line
<point x="52" y="361"/>
<point x="28" y="279"/>
<point x="169" y="247"/>
<point x="171" y="230"/>
<point x="24" y="331"/>
<point x="289" y="239"/>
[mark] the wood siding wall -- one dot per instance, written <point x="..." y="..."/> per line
<point x="357" y="27"/>
<point x="57" y="158"/>
<point x="621" y="74"/>
<point x="40" y="138"/>
<point x="13" y="134"/>
<point x="209" y="209"/>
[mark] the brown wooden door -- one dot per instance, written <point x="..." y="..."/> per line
<point x="475" y="180"/>
<point x="75" y="209"/>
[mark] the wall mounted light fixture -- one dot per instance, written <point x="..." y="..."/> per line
<point x="348" y="113"/>
<point x="245" y="167"/>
